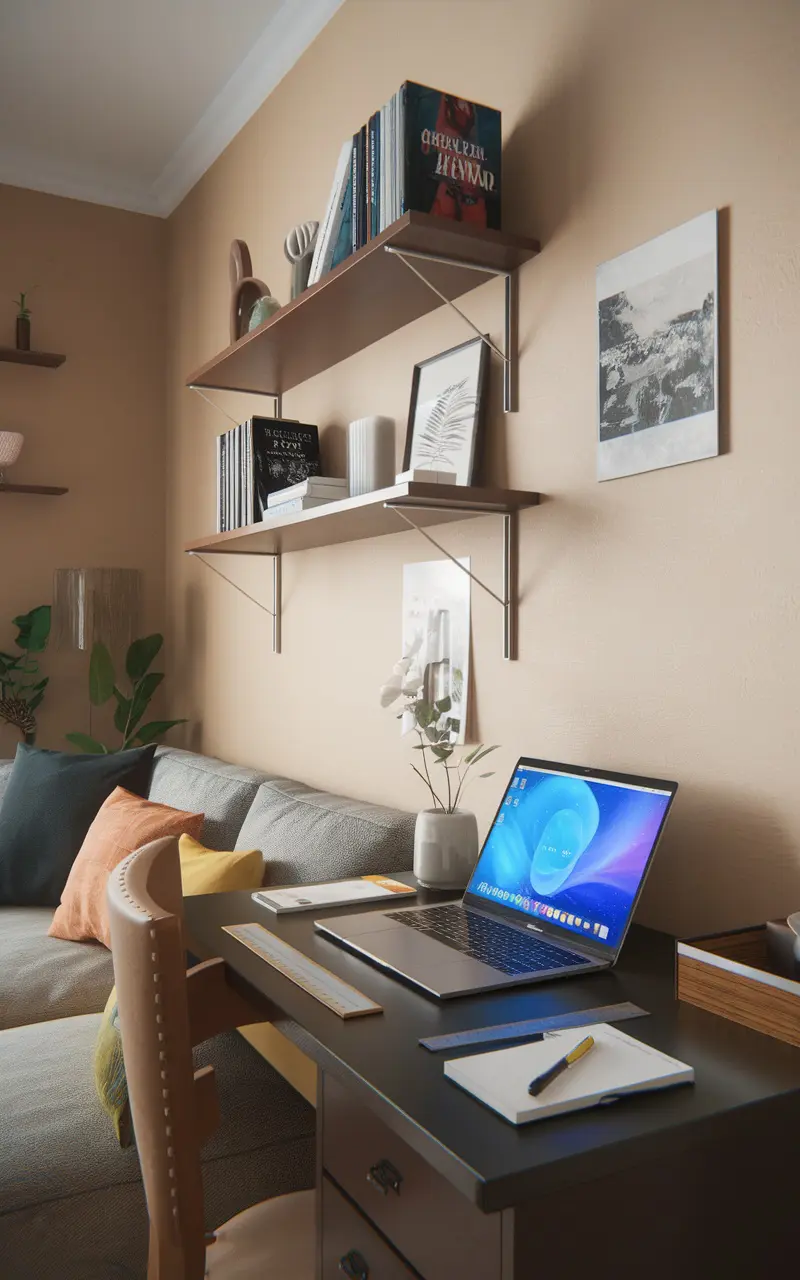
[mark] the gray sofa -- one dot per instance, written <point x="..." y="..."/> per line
<point x="71" y="1204"/>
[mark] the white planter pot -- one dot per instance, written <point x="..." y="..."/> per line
<point x="10" y="446"/>
<point x="445" y="848"/>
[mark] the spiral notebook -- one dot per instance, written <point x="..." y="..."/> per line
<point x="617" y="1066"/>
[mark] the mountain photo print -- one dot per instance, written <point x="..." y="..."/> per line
<point x="657" y="353"/>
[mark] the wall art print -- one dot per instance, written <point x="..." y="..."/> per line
<point x="658" y="365"/>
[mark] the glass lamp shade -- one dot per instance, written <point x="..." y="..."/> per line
<point x="96" y="604"/>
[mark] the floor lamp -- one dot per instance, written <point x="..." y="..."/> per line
<point x="96" y="604"/>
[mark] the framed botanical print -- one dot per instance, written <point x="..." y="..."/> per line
<point x="446" y="419"/>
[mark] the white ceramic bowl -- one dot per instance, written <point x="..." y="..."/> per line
<point x="10" y="446"/>
<point x="794" y="924"/>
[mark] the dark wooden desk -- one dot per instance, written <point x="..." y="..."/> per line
<point x="702" y="1181"/>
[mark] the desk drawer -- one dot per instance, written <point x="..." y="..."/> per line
<point x="440" y="1232"/>
<point x="351" y="1247"/>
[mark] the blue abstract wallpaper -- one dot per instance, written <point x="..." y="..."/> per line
<point x="570" y="850"/>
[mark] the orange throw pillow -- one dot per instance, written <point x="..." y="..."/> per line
<point x="124" y="822"/>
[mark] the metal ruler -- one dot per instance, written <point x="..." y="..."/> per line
<point x="533" y="1027"/>
<point x="320" y="983"/>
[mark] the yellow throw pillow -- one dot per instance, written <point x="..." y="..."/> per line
<point x="109" y="1072"/>
<point x="209" y="871"/>
<point x="202" y="871"/>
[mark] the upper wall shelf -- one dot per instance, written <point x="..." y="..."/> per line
<point x="47" y="359"/>
<point x="366" y="297"/>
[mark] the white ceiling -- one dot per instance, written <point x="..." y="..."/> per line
<point x="128" y="102"/>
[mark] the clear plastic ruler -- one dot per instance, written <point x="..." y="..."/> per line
<point x="320" y="983"/>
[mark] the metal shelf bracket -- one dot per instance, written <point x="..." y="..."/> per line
<point x="509" y="354"/>
<point x="276" y="611"/>
<point x="509" y="599"/>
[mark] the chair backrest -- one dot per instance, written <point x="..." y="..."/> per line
<point x="145" y="909"/>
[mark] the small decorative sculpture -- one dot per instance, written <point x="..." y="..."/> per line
<point x="299" y="249"/>
<point x="245" y="289"/>
<point x="261" y="310"/>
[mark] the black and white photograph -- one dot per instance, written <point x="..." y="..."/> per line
<point x="446" y="418"/>
<point x="658" y="371"/>
<point x="436" y="637"/>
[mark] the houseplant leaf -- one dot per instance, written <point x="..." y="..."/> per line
<point x="155" y="729"/>
<point x="122" y="712"/>
<point x="84" y="743"/>
<point x="101" y="675"/>
<point x="141" y="654"/>
<point x="142" y="694"/>
<point x="34" y="629"/>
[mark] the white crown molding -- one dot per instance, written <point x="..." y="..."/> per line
<point x="289" y="33"/>
<point x="291" y="30"/>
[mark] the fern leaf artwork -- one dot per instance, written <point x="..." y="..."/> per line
<point x="446" y="412"/>
<point x="439" y="443"/>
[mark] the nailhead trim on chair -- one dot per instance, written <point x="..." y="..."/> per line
<point x="122" y="882"/>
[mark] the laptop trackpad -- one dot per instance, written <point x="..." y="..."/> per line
<point x="434" y="965"/>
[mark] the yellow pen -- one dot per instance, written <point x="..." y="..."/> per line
<point x="541" y="1082"/>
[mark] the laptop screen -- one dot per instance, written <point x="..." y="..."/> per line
<point x="571" y="849"/>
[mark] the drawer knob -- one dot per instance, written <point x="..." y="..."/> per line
<point x="385" y="1177"/>
<point x="354" y="1265"/>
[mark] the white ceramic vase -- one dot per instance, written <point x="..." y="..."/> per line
<point x="10" y="446"/>
<point x="445" y="848"/>
<point x="370" y="455"/>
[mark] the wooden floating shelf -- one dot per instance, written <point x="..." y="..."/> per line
<point x="47" y="359"/>
<point x="367" y="516"/>
<point x="365" y="298"/>
<point x="45" y="490"/>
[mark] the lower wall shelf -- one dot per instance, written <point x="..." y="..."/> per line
<point x="44" y="490"/>
<point x="420" y="506"/>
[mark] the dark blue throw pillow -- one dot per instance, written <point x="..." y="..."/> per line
<point x="50" y="802"/>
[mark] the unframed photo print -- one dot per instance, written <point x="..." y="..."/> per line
<point x="436" y="633"/>
<point x="658" y="368"/>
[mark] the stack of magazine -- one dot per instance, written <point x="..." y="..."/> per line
<point x="258" y="458"/>
<point x="424" y="150"/>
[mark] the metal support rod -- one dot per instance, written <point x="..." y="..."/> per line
<point x="444" y="552"/>
<point x="275" y="612"/>
<point x="404" y="255"/>
<point x="510" y="367"/>
<point x="510" y="526"/>
<point x="276" y="600"/>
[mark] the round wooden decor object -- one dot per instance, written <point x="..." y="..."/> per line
<point x="246" y="289"/>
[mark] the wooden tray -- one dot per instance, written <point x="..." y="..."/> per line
<point x="749" y="976"/>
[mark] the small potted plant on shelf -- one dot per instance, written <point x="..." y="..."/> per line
<point x="446" y="836"/>
<point x="23" y="322"/>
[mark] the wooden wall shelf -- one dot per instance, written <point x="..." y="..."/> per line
<point x="366" y="297"/>
<point x="47" y="359"/>
<point x="369" y="516"/>
<point x="44" y="490"/>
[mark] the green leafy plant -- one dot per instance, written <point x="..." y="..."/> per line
<point x="436" y="730"/>
<point x="21" y="303"/>
<point x="21" y="690"/>
<point x="130" y="708"/>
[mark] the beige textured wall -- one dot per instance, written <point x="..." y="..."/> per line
<point x="96" y="425"/>
<point x="659" y="620"/>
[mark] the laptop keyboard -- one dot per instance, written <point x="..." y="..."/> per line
<point x="491" y="941"/>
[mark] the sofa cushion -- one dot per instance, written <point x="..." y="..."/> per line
<point x="217" y="871"/>
<point x="223" y="792"/>
<point x="71" y="1201"/>
<point x="308" y="835"/>
<point x="43" y="978"/>
<point x="49" y="805"/>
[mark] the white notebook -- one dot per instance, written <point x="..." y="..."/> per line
<point x="617" y="1065"/>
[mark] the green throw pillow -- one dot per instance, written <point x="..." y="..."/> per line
<point x="109" y="1073"/>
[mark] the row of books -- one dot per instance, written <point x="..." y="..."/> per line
<point x="423" y="150"/>
<point x="257" y="458"/>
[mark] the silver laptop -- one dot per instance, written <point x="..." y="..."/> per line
<point x="552" y="893"/>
